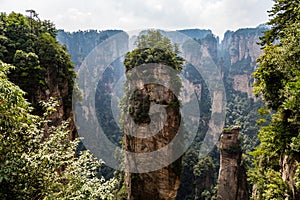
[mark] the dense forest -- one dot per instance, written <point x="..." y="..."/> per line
<point x="38" y="152"/>
<point x="43" y="157"/>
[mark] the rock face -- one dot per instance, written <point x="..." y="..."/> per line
<point x="161" y="184"/>
<point x="61" y="91"/>
<point x="243" y="83"/>
<point x="152" y="105"/>
<point x="81" y="43"/>
<point x="242" y="44"/>
<point x="196" y="33"/>
<point x="289" y="166"/>
<point x="232" y="184"/>
<point x="235" y="56"/>
<point x="240" y="50"/>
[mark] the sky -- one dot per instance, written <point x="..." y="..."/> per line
<point x="216" y="15"/>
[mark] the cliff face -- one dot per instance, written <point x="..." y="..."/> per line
<point x="289" y="166"/>
<point x="197" y="34"/>
<point x="161" y="184"/>
<point x="242" y="44"/>
<point x="81" y="43"/>
<point x="61" y="90"/>
<point x="240" y="50"/>
<point x="236" y="56"/>
<point x="232" y="182"/>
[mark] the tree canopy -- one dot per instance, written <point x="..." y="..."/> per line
<point x="278" y="82"/>
<point x="153" y="47"/>
<point x="285" y="13"/>
<point x="30" y="45"/>
<point x="37" y="160"/>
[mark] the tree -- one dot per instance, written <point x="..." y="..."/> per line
<point x="284" y="14"/>
<point x="37" y="160"/>
<point x="41" y="63"/>
<point x="153" y="47"/>
<point x="154" y="51"/>
<point x="278" y="82"/>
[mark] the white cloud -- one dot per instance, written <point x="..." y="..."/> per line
<point x="218" y="15"/>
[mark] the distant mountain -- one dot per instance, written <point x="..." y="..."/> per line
<point x="80" y="43"/>
<point x="235" y="56"/>
<point x="197" y="34"/>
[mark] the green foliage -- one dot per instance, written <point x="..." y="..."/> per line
<point x="278" y="82"/>
<point x="153" y="47"/>
<point x="204" y="166"/>
<point x="209" y="194"/>
<point x="242" y="111"/>
<point x="120" y="190"/>
<point x="40" y="61"/>
<point x="37" y="160"/>
<point x="297" y="178"/>
<point x="241" y="67"/>
<point x="284" y="14"/>
<point x="269" y="184"/>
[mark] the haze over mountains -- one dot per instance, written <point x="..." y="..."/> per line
<point x="235" y="57"/>
<point x="80" y="43"/>
<point x="173" y="115"/>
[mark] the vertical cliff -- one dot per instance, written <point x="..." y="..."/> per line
<point x="236" y="56"/>
<point x="161" y="184"/>
<point x="232" y="183"/>
<point x="289" y="165"/>
<point x="242" y="44"/>
<point x="81" y="43"/>
<point x="43" y="68"/>
<point x="152" y="118"/>
<point x="240" y="50"/>
<point x="204" y="178"/>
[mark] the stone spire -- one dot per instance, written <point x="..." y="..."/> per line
<point x="232" y="182"/>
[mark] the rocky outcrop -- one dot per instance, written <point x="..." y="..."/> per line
<point x="153" y="123"/>
<point x="242" y="44"/>
<point x="81" y="43"/>
<point x="232" y="184"/>
<point x="240" y="50"/>
<point x="243" y="83"/>
<point x="289" y="166"/>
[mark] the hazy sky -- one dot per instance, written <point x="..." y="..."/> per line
<point x="217" y="15"/>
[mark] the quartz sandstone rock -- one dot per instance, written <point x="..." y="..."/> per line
<point x="161" y="184"/>
<point x="232" y="184"/>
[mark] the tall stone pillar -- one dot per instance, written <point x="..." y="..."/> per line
<point x="151" y="107"/>
<point x="232" y="182"/>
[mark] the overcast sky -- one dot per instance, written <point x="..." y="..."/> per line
<point x="217" y="15"/>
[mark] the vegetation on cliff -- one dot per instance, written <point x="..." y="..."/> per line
<point x="41" y="63"/>
<point x="37" y="159"/>
<point x="153" y="58"/>
<point x="278" y="82"/>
